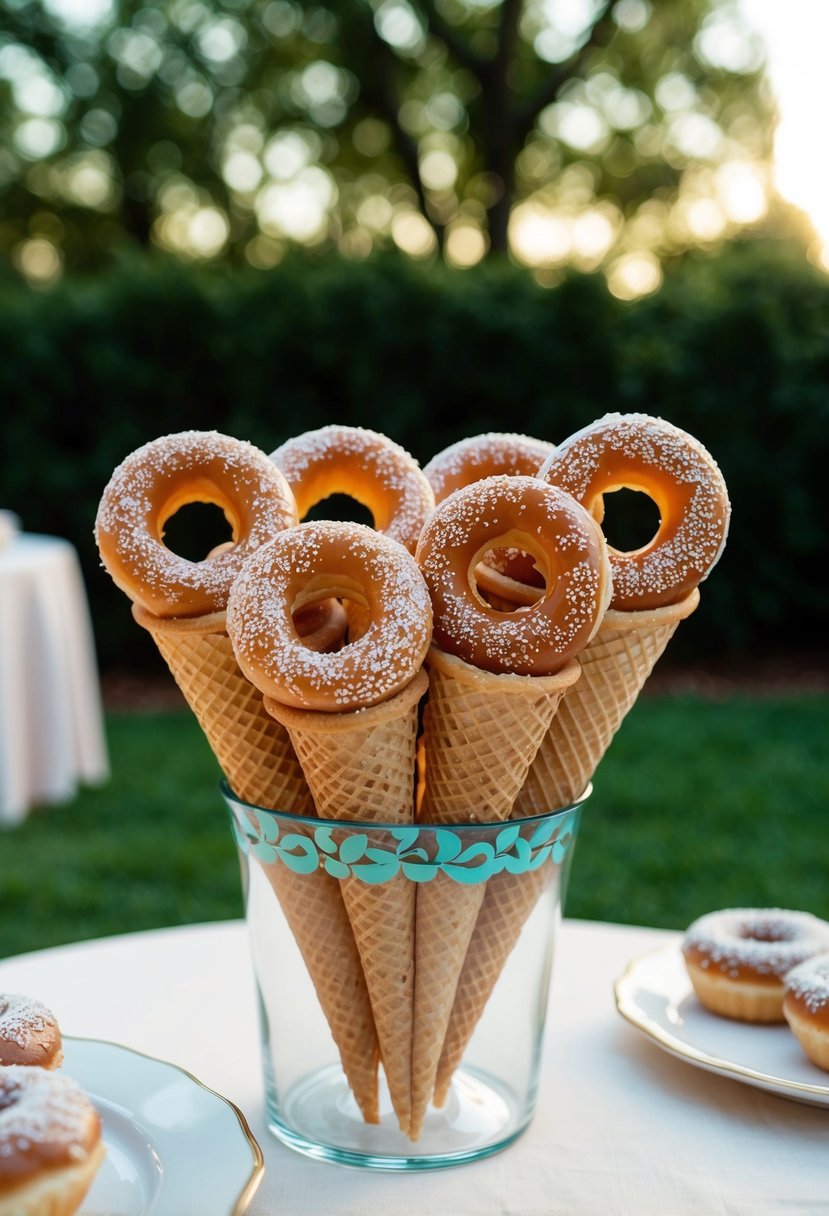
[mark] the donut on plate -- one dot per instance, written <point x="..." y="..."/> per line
<point x="50" y="1143"/>
<point x="806" y="1007"/>
<point x="29" y="1033"/>
<point x="737" y="959"/>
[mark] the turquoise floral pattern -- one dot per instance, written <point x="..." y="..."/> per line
<point x="420" y="853"/>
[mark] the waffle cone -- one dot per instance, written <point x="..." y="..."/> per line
<point x="261" y="767"/>
<point x="253" y="751"/>
<point x="508" y="901"/>
<point x="481" y="732"/>
<point x="615" y="666"/>
<point x="360" y="766"/>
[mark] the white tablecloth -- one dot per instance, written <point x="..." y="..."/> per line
<point x="622" y="1129"/>
<point x="51" y="731"/>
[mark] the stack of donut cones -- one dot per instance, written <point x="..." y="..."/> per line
<point x="482" y="652"/>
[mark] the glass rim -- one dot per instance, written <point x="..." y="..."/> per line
<point x="361" y="825"/>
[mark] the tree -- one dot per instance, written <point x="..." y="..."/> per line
<point x="232" y="127"/>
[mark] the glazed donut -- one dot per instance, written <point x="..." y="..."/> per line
<point x="806" y="1007"/>
<point x="490" y="455"/>
<point x="153" y="483"/>
<point x="637" y="452"/>
<point x="50" y="1142"/>
<point x="316" y="561"/>
<point x="365" y="465"/>
<point x="737" y="958"/>
<point x="567" y="544"/>
<point x="29" y="1033"/>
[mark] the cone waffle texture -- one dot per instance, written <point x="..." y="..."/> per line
<point x="360" y="766"/>
<point x="614" y="666"/>
<point x="254" y="752"/>
<point x="481" y="732"/>
<point x="508" y="901"/>
<point x="258" y="760"/>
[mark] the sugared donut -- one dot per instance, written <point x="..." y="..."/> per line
<point x="806" y="1007"/>
<point x="365" y="465"/>
<point x="637" y="452"/>
<point x="153" y="483"/>
<point x="491" y="455"/>
<point x="480" y="456"/>
<point x="316" y="561"/>
<point x="564" y="540"/>
<point x="29" y="1033"/>
<point x="737" y="958"/>
<point x="50" y="1143"/>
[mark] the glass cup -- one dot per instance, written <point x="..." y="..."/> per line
<point x="307" y="881"/>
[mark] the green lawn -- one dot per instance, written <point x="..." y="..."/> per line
<point x="698" y="805"/>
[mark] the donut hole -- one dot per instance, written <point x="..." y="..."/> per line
<point x="341" y="507"/>
<point x="196" y="530"/>
<point x="515" y="562"/>
<point x="631" y="519"/>
<point x="766" y="933"/>
<point x="350" y="596"/>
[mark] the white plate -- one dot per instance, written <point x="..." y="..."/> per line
<point x="174" y="1147"/>
<point x="656" y="996"/>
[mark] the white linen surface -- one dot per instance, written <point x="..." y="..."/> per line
<point x="622" y="1128"/>
<point x="51" y="729"/>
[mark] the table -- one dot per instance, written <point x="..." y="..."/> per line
<point x="51" y="729"/>
<point x="622" y="1128"/>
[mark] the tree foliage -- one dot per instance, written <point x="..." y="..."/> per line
<point x="233" y="127"/>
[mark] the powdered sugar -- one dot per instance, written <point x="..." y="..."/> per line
<point x="809" y="982"/>
<point x="44" y="1116"/>
<point x="352" y="460"/>
<point x="20" y="1017"/>
<point x="486" y="455"/>
<point x="150" y="484"/>
<point x="369" y="670"/>
<point x="770" y="940"/>
<point x="604" y="456"/>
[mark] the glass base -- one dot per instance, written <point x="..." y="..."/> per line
<point x="320" y="1118"/>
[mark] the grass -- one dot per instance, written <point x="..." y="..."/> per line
<point x="698" y="805"/>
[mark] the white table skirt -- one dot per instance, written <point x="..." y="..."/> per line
<point x="51" y="729"/>
<point x="622" y="1129"/>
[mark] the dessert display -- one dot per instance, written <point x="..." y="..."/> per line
<point x="806" y="1007"/>
<point x="739" y="959"/>
<point x="29" y="1033"/>
<point x="464" y="663"/>
<point x="253" y="750"/>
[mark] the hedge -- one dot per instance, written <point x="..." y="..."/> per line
<point x="734" y="348"/>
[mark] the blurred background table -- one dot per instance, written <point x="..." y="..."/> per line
<point x="51" y="728"/>
<point x="621" y="1127"/>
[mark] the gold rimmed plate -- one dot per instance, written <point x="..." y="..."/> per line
<point x="174" y="1147"/>
<point x="655" y="995"/>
